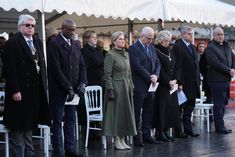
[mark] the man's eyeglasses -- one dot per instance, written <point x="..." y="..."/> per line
<point x="148" y="37"/>
<point x="28" y="25"/>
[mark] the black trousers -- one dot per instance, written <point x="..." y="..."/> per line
<point x="143" y="101"/>
<point x="186" y="110"/>
<point x="220" y="96"/>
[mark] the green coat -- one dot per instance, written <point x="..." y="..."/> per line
<point x="119" y="117"/>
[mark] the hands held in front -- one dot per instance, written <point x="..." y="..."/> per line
<point x="172" y="83"/>
<point x="154" y="79"/>
<point x="81" y="89"/>
<point x="71" y="94"/>
<point x="110" y="94"/>
<point x="232" y="72"/>
<point x="17" y="96"/>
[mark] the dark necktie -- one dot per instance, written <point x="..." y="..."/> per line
<point x="190" y="49"/>
<point x="146" y="51"/>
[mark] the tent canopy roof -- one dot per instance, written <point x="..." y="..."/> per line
<point x="201" y="11"/>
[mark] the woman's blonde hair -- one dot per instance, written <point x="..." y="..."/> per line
<point x="115" y="36"/>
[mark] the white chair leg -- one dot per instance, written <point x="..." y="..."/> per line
<point x="152" y="132"/>
<point x="171" y="132"/>
<point x="47" y="141"/>
<point x="62" y="130"/>
<point x="208" y="120"/>
<point x="131" y="139"/>
<point x="6" y="145"/>
<point x="76" y="127"/>
<point x="104" y="142"/>
<point x="87" y="133"/>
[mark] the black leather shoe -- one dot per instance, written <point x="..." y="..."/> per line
<point x="192" y="134"/>
<point x="168" y="136"/>
<point x="55" y="154"/>
<point x="148" y="139"/>
<point x="138" y="141"/>
<point x="181" y="135"/>
<point x="162" y="137"/>
<point x="73" y="154"/>
<point x="223" y="131"/>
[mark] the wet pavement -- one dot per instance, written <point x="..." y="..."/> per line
<point x="206" y="145"/>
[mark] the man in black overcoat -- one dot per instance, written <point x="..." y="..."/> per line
<point x="67" y="76"/>
<point x="221" y="67"/>
<point x="187" y="62"/>
<point x="26" y="103"/>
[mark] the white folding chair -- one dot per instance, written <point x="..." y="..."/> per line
<point x="5" y="131"/>
<point x="45" y="134"/>
<point x="93" y="103"/>
<point x="202" y="110"/>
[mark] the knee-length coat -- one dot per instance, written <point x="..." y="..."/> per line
<point x="22" y="76"/>
<point x="119" y="117"/>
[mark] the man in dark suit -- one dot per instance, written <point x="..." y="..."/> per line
<point x="67" y="76"/>
<point x="187" y="62"/>
<point x="26" y="86"/>
<point x="145" y="68"/>
<point x="221" y="67"/>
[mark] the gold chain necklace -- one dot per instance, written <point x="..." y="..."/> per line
<point x="168" y="56"/>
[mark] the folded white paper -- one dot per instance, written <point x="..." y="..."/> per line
<point x="174" y="89"/>
<point x="75" y="100"/>
<point x="181" y="97"/>
<point x="153" y="88"/>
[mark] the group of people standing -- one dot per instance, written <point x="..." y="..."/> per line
<point x="129" y="108"/>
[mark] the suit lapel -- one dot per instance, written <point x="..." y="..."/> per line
<point x="142" y="50"/>
<point x="187" y="50"/>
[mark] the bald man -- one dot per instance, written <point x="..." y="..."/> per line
<point x="66" y="76"/>
<point x="221" y="64"/>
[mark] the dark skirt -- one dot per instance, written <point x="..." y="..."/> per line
<point x="166" y="109"/>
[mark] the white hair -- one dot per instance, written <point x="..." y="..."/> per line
<point x="162" y="35"/>
<point x="216" y="30"/>
<point x="25" y="17"/>
<point x="146" y="30"/>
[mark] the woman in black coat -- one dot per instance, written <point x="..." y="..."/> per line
<point x="166" y="113"/>
<point x="94" y="61"/>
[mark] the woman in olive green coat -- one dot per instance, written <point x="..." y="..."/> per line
<point x="119" y="117"/>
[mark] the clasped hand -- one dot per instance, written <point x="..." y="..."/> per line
<point x="154" y="79"/>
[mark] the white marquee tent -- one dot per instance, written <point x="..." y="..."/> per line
<point x="201" y="11"/>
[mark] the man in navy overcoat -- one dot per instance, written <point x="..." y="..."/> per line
<point x="145" y="68"/>
<point x="67" y="76"/>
